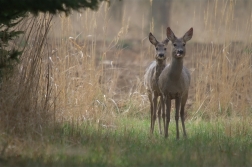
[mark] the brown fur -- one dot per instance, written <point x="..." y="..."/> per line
<point x="175" y="79"/>
<point x="151" y="79"/>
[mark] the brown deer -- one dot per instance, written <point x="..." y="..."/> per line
<point x="151" y="80"/>
<point x="175" y="79"/>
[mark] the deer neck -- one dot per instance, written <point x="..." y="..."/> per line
<point x="159" y="67"/>
<point x="176" y="68"/>
<point x="161" y="62"/>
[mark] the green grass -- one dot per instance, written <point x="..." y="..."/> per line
<point x="224" y="142"/>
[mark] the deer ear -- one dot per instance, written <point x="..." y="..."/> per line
<point x="188" y="35"/>
<point x="165" y="41"/>
<point x="170" y="34"/>
<point x="153" y="39"/>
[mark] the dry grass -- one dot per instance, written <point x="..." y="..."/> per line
<point x="222" y="75"/>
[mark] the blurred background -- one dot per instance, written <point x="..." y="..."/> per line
<point x="208" y="18"/>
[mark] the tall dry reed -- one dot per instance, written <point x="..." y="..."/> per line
<point x="26" y="96"/>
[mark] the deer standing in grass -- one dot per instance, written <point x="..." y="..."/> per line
<point x="151" y="80"/>
<point x="175" y="79"/>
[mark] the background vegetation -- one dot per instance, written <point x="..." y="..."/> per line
<point x="77" y="95"/>
<point x="12" y="13"/>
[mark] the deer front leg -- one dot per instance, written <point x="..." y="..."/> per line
<point x="162" y="100"/>
<point x="159" y="115"/>
<point x="151" y="107"/>
<point x="168" y="111"/>
<point x="154" y="112"/>
<point x="182" y="113"/>
<point x="177" y="105"/>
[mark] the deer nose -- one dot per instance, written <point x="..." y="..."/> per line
<point x="161" y="55"/>
<point x="180" y="51"/>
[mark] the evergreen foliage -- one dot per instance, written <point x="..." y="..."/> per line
<point x="8" y="53"/>
<point x="51" y="6"/>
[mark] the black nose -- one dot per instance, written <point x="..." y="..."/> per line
<point x="161" y="55"/>
<point x="180" y="51"/>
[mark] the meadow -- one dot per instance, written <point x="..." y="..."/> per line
<point x="128" y="143"/>
<point x="77" y="97"/>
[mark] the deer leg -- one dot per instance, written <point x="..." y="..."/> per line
<point x="177" y="105"/>
<point x="154" y="112"/>
<point x="182" y="113"/>
<point x="159" y="116"/>
<point x="163" y="109"/>
<point x="151" y="107"/>
<point x="168" y="109"/>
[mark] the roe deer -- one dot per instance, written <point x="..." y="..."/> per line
<point x="151" y="80"/>
<point x="175" y="79"/>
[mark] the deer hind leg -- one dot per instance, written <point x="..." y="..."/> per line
<point x="163" y="109"/>
<point x="182" y="113"/>
<point x="168" y="111"/>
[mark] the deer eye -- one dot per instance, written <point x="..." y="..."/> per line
<point x="174" y="44"/>
<point x="156" y="48"/>
<point x="183" y="44"/>
<point x="164" y="48"/>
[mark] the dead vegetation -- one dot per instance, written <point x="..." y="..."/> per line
<point x="94" y="73"/>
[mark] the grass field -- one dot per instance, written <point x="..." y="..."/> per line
<point x="77" y="97"/>
<point x="224" y="142"/>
